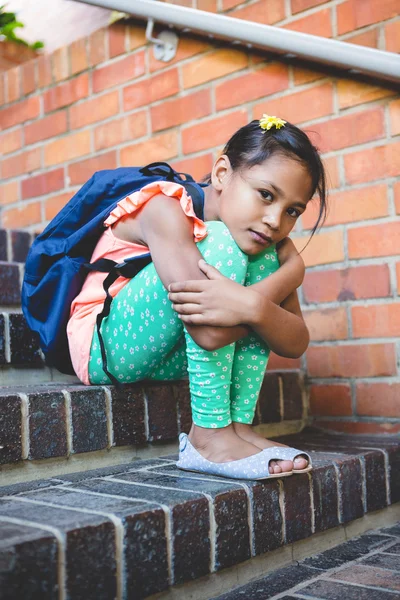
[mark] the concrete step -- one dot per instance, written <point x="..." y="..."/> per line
<point x="144" y="528"/>
<point x="59" y="421"/>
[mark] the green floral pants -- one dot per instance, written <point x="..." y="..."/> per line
<point x="145" y="339"/>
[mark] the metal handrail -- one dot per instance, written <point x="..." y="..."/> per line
<point x="291" y="44"/>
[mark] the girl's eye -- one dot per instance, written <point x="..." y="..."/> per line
<point x="293" y="212"/>
<point x="266" y="195"/>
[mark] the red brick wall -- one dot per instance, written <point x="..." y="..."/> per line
<point x="104" y="101"/>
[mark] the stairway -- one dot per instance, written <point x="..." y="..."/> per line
<point x="92" y="505"/>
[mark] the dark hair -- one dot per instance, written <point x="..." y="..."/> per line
<point x="251" y="146"/>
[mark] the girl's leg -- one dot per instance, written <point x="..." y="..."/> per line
<point x="249" y="366"/>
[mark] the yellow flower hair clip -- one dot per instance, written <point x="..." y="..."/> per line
<point x="267" y="122"/>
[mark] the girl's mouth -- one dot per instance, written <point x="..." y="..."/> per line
<point x="261" y="238"/>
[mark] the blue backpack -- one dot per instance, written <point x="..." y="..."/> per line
<point x="59" y="259"/>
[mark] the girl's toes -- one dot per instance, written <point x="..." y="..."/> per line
<point x="274" y="468"/>
<point x="286" y="465"/>
<point x="300" y="462"/>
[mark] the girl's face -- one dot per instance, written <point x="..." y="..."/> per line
<point x="260" y="205"/>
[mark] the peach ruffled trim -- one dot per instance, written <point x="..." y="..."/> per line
<point x="132" y="203"/>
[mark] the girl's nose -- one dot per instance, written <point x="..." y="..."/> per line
<point x="273" y="219"/>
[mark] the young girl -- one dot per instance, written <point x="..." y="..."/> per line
<point x="237" y="300"/>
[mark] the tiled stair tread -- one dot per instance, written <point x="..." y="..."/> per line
<point x="212" y="523"/>
<point x="333" y="574"/>
<point x="57" y="420"/>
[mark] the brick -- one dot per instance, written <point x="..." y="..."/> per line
<point x="265" y="12"/>
<point x="350" y="130"/>
<point x="3" y="246"/>
<point x="367" y="38"/>
<point x="11" y="428"/>
<point x="22" y="163"/>
<point x="47" y="425"/>
<point x="9" y="193"/>
<point x="144" y="535"/>
<point x="159" y="147"/>
<point x="325" y="496"/>
<point x="301" y="75"/>
<point x="9" y="285"/>
<point x="327" y="324"/>
<point x="267" y="517"/>
<point x="350" y="205"/>
<point x="97" y="47"/>
<point x="300" y="5"/>
<point x="20" y="112"/>
<point x="332" y="172"/>
<point x="352" y="93"/>
<point x="24" y="343"/>
<point x="53" y="205"/>
<point x="280" y="363"/>
<point x="13" y="84"/>
<point x="34" y="570"/>
<point x="326" y="247"/>
<point x="318" y="23"/>
<point x="212" y="66"/>
<point x="268" y="408"/>
<point x="396" y="189"/>
<point x="66" y="93"/>
<point x="384" y="158"/>
<point x="354" y="14"/>
<point x="2" y="89"/>
<point x="198" y="167"/>
<point x="312" y="103"/>
<point x="369" y="360"/>
<point x="3" y="341"/>
<point x="128" y="413"/>
<point x="369" y="576"/>
<point x="292" y="392"/>
<point x="356" y="283"/>
<point x="182" y="396"/>
<point x="350" y="489"/>
<point x="20" y="244"/>
<point x="187" y="48"/>
<point x="159" y="86"/>
<point x="394" y="111"/>
<point x="78" y="56"/>
<point x="207" y="5"/>
<point x="119" y="71"/>
<point x="378" y="399"/>
<point x="297" y="503"/>
<point x="67" y="148"/>
<point x="376" y="321"/>
<point x="268" y="80"/>
<point x="84" y="533"/>
<point x="189" y="518"/>
<point x="136" y="36"/>
<point x="60" y="65"/>
<point x="374" y="240"/>
<point x="121" y="130"/>
<point x="43" y="129"/>
<point x="227" y="4"/>
<point x="93" y="110"/>
<point x="182" y="110"/>
<point x="89" y="419"/>
<point x="398" y="277"/>
<point x="332" y="400"/>
<point x="162" y="413"/>
<point x="11" y="141"/>
<point x="45" y="183"/>
<point x="30" y="214"/>
<point x="45" y="77"/>
<point x="392" y="36"/>
<point x="116" y="39"/>
<point x="82" y="170"/>
<point x="213" y="132"/>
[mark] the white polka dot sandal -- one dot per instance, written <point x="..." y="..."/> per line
<point x="253" y="467"/>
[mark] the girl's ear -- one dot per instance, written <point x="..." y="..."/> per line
<point x="221" y="172"/>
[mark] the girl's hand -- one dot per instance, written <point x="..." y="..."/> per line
<point x="216" y="301"/>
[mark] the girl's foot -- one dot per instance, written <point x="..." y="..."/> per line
<point x="247" y="433"/>
<point x="225" y="445"/>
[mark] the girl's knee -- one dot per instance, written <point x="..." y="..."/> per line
<point x="220" y="250"/>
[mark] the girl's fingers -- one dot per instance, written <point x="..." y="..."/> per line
<point x="186" y="309"/>
<point x="196" y="285"/>
<point x="183" y="297"/>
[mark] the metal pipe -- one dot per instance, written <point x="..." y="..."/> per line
<point x="352" y="58"/>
